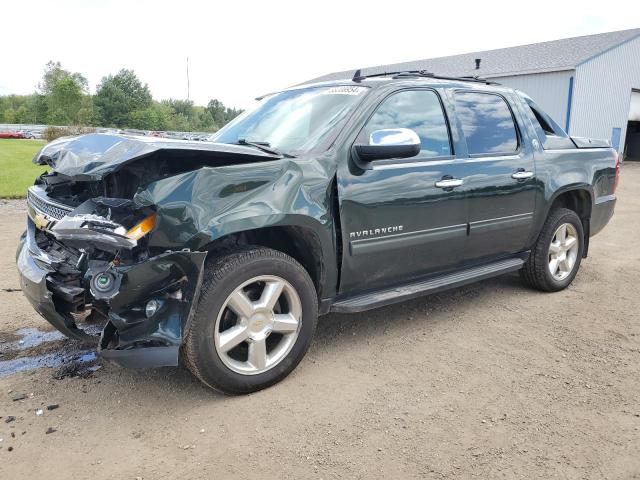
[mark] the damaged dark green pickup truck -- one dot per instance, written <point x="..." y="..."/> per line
<point x="340" y="196"/>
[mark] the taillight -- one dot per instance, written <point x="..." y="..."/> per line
<point x="617" y="180"/>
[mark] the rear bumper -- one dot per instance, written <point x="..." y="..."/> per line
<point x="601" y="213"/>
<point x="129" y="338"/>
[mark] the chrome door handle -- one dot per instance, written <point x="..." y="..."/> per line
<point x="521" y="175"/>
<point x="449" y="183"/>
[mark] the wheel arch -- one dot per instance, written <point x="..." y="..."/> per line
<point x="302" y="243"/>
<point x="580" y="200"/>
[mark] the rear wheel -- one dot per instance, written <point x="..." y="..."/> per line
<point x="254" y="321"/>
<point x="555" y="258"/>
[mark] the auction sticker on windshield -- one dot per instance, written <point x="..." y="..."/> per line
<point x="345" y="90"/>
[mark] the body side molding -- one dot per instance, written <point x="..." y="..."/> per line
<point x="406" y="239"/>
<point x="523" y="219"/>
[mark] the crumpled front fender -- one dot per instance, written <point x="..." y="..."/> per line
<point x="197" y="207"/>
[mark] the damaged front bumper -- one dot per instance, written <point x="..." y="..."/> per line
<point x="67" y="288"/>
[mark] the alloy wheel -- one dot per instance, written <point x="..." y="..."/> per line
<point x="563" y="251"/>
<point x="258" y="325"/>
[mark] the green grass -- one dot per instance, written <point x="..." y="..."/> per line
<point x="16" y="170"/>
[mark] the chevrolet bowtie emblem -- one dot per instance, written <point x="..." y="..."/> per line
<point x="41" y="221"/>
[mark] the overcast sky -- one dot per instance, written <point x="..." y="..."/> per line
<point x="240" y="49"/>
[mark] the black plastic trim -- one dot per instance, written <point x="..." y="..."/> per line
<point x="434" y="284"/>
<point x="142" y="357"/>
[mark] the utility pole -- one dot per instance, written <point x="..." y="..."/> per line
<point x="188" y="93"/>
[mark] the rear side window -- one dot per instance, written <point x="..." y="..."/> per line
<point x="487" y="123"/>
<point x="545" y="126"/>
<point x="549" y="132"/>
<point x="419" y="110"/>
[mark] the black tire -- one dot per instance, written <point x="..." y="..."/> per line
<point x="536" y="270"/>
<point x="221" y="277"/>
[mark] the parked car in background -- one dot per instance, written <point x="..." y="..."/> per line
<point x="335" y="197"/>
<point x="11" y="134"/>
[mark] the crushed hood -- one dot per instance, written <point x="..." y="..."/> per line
<point x="93" y="156"/>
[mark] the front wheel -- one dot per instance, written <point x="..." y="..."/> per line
<point x="254" y="321"/>
<point x="555" y="258"/>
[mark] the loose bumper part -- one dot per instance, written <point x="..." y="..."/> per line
<point x="129" y="338"/>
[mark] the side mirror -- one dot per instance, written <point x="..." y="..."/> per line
<point x="389" y="143"/>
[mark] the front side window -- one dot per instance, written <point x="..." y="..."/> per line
<point x="294" y="121"/>
<point x="419" y="110"/>
<point x="487" y="123"/>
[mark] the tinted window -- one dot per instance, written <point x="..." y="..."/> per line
<point x="419" y="110"/>
<point x="542" y="122"/>
<point x="549" y="132"/>
<point x="487" y="123"/>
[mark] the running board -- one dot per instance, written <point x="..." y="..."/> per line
<point x="380" y="298"/>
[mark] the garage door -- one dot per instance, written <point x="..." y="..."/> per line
<point x="634" y="110"/>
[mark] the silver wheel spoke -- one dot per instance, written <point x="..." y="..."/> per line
<point x="569" y="243"/>
<point x="561" y="234"/>
<point x="555" y="248"/>
<point x="240" y="304"/>
<point x="232" y="337"/>
<point x="258" y="354"/>
<point x="271" y="294"/>
<point x="284" y="323"/>
<point x="553" y="266"/>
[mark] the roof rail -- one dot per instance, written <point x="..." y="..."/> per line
<point x="358" y="77"/>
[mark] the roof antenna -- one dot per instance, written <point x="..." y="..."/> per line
<point x="478" y="63"/>
<point x="356" y="76"/>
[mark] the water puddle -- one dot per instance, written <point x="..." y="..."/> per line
<point x="9" y="367"/>
<point x="31" y="337"/>
<point x="30" y="348"/>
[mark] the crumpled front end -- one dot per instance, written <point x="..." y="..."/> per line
<point x="119" y="229"/>
<point x="83" y="265"/>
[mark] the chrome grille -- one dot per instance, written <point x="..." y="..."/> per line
<point x="54" y="210"/>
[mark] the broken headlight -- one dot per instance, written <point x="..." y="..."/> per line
<point x="142" y="228"/>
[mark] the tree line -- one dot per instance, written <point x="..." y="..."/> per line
<point x="121" y="101"/>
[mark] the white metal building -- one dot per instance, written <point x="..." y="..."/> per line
<point x="590" y="85"/>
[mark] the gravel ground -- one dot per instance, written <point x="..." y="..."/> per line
<point x="490" y="381"/>
<point x="11" y="206"/>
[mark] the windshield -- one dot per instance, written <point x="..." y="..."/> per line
<point x="294" y="121"/>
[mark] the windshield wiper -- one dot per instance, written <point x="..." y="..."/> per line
<point x="264" y="146"/>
